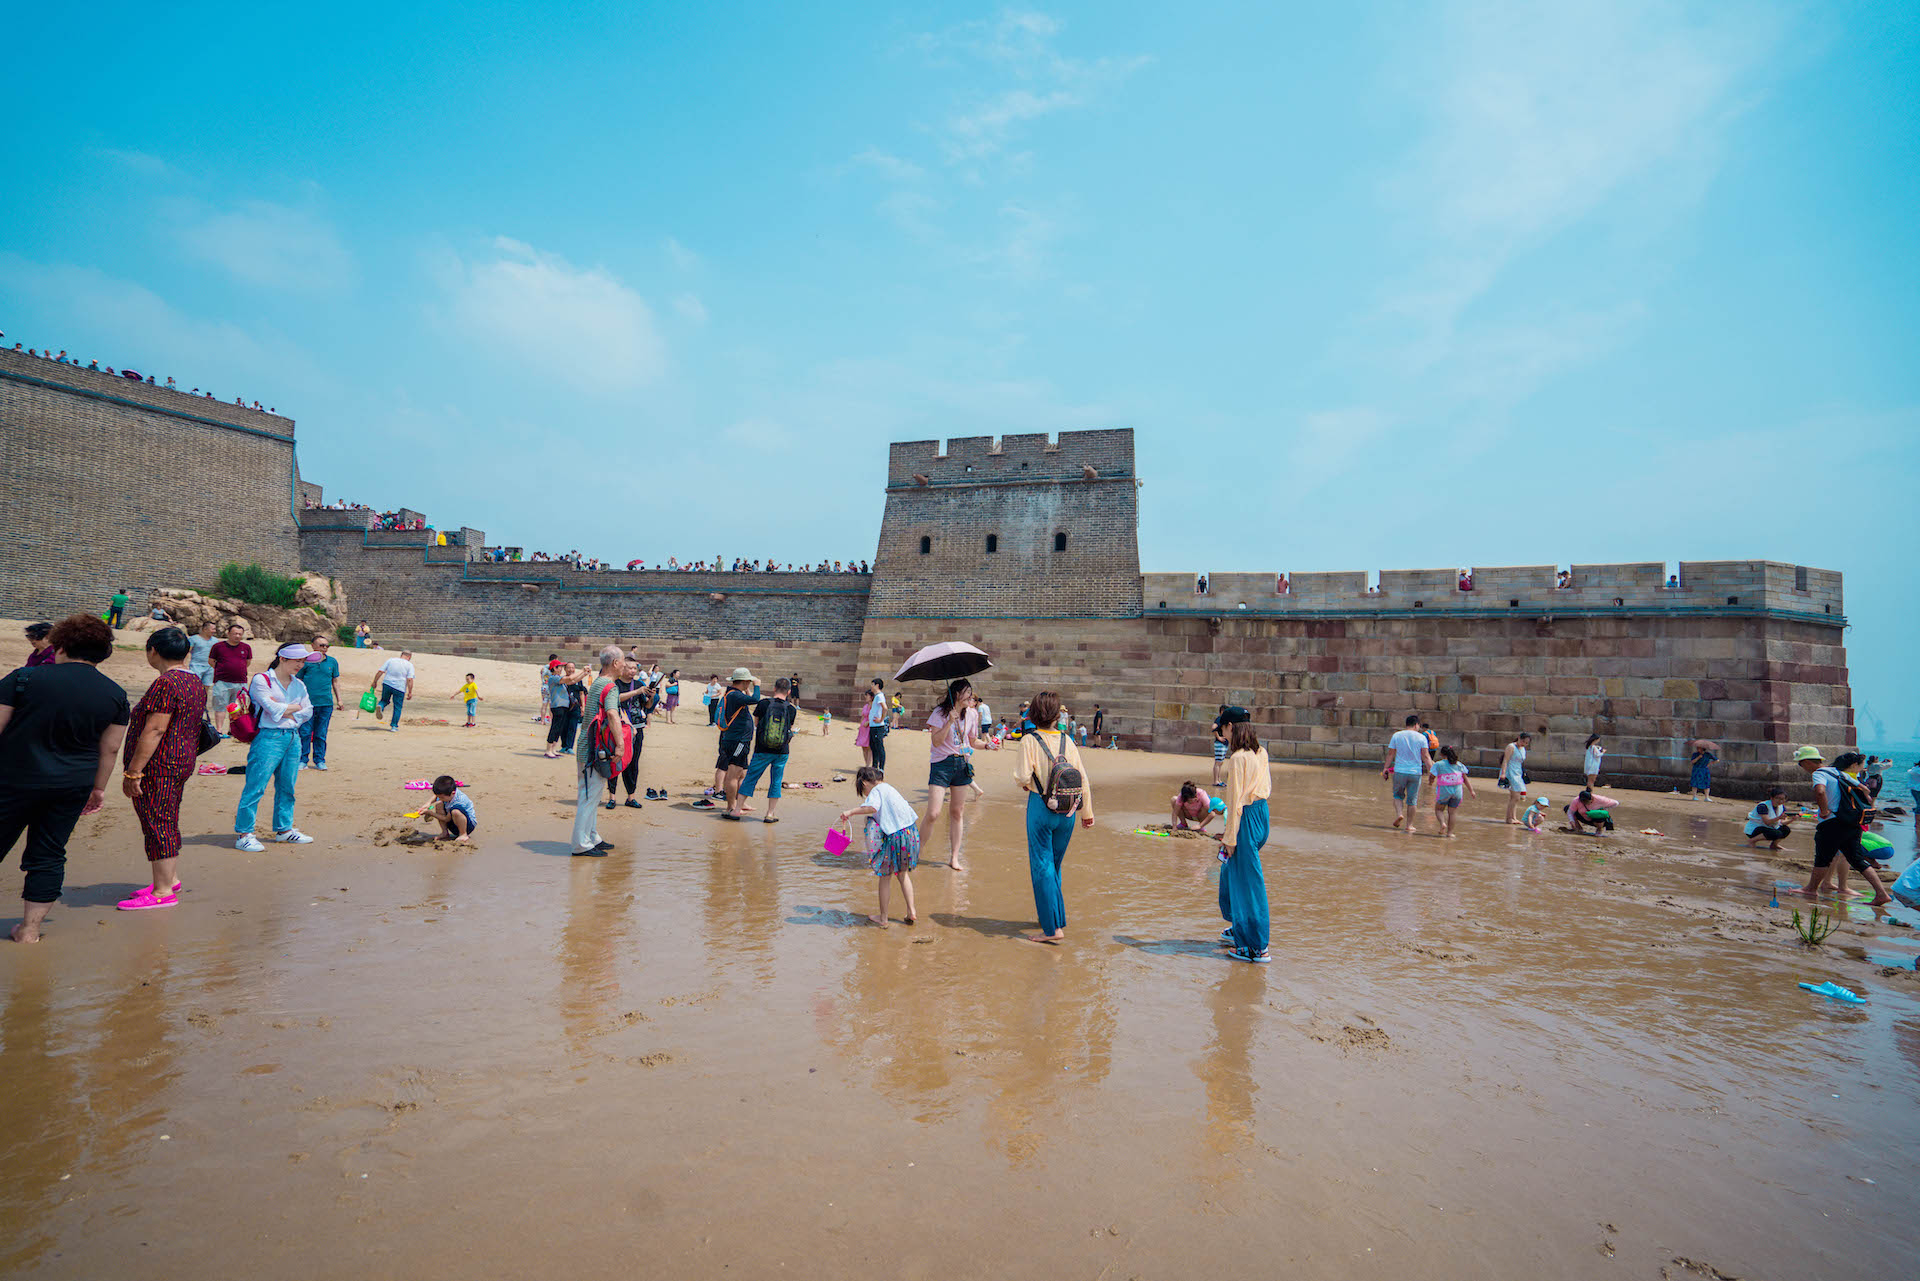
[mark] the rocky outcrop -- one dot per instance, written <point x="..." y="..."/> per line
<point x="321" y="607"/>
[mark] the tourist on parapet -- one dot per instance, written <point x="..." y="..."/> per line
<point x="876" y="717"/>
<point x="39" y="652"/>
<point x="163" y="741"/>
<point x="1701" y="757"/>
<point x="1513" y="772"/>
<point x="603" y="698"/>
<point x="736" y="740"/>
<point x="560" y="707"/>
<point x="61" y="727"/>
<point x="1845" y="810"/>
<point x="1406" y="762"/>
<point x="1243" y="882"/>
<point x="772" y="743"/>
<point x="953" y="728"/>
<point x="320" y="674"/>
<point x="394" y="680"/>
<point x="281" y="705"/>
<point x="1590" y="764"/>
<point x="117" y="608"/>
<point x="1673" y="582"/>
<point x="231" y="659"/>
<point x="1058" y="792"/>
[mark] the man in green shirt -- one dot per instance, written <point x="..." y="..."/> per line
<point x="321" y="676"/>
<point x="118" y="608"/>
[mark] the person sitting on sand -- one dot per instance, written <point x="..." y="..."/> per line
<point x="893" y="837"/>
<point x="1767" y="821"/>
<point x="452" y="809"/>
<point x="1590" y="809"/>
<point x="1191" y="804"/>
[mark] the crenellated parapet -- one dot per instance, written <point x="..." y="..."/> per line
<point x="1035" y="457"/>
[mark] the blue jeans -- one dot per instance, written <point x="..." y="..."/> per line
<point x="760" y="764"/>
<point x="275" y="754"/>
<point x="398" y="697"/>
<point x="313" y="735"/>
<point x="1047" y="836"/>
<point x="1243" y="882"/>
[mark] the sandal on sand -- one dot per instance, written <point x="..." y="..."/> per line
<point x="147" y="899"/>
<point x="769" y="820"/>
<point x="734" y="817"/>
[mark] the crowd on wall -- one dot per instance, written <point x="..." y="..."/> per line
<point x="130" y="375"/>
<point x="385" y="520"/>
<point x="512" y="555"/>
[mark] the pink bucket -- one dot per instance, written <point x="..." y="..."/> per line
<point x="836" y="842"/>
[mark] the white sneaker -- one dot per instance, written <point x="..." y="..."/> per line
<point x="394" y="728"/>
<point x="249" y="842"/>
<point x="293" y="836"/>
<point x="321" y="765"/>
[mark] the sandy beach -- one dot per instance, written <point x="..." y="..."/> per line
<point x="1504" y="1055"/>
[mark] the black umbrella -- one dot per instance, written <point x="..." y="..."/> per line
<point x="947" y="661"/>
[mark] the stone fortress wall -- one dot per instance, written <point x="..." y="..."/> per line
<point x="1023" y="545"/>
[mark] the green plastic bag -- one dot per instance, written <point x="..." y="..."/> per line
<point x="369" y="702"/>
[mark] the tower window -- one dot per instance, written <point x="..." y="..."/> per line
<point x="993" y="543"/>
<point x="1799" y="578"/>
<point x="1059" y="542"/>
<point x="926" y="544"/>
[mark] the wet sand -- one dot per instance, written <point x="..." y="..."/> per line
<point x="1501" y="1055"/>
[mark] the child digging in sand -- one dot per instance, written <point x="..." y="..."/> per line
<point x="893" y="838"/>
<point x="452" y="810"/>
<point x="471" y="693"/>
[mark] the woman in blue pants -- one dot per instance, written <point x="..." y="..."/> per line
<point x="1243" y="882"/>
<point x="1048" y="829"/>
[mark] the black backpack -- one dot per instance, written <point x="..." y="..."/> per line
<point x="1066" y="786"/>
<point x="1856" y="802"/>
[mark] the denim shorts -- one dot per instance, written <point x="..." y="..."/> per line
<point x="1406" y="787"/>
<point x="1448" y="797"/>
<point x="954" y="771"/>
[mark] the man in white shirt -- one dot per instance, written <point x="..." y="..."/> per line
<point x="1407" y="762"/>
<point x="394" y="680"/>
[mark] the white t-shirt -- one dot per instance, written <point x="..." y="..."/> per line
<point x="1407" y="746"/>
<point x="396" y="672"/>
<point x="1594" y="754"/>
<point x="1765" y="814"/>
<point x="890" y="808"/>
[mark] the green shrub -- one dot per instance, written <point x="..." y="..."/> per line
<point x="259" y="586"/>
<point x="345" y="633"/>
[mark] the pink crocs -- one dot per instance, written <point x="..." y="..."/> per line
<point x="146" y="898"/>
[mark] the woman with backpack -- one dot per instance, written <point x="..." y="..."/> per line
<point x="1058" y="792"/>
<point x="1243" y="882"/>
<point x="954" y="728"/>
<point x="1845" y="809"/>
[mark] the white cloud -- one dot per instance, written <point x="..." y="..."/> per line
<point x="888" y="165"/>
<point x="271" y="245"/>
<point x="691" y="308"/>
<point x="683" y="258"/>
<point x="138" y="161"/>
<point x="1020" y="249"/>
<point x="578" y="325"/>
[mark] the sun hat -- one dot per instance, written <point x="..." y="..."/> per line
<point x="1808" y="754"/>
<point x="741" y="674"/>
<point x="295" y="650"/>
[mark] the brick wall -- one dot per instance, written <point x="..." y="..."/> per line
<point x="108" y="483"/>
<point x="1025" y="493"/>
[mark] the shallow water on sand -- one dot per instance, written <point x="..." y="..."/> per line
<point x="1500" y="1055"/>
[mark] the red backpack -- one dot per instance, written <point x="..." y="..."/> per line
<point x="609" y="741"/>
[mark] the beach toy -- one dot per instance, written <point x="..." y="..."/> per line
<point x="1835" y="991"/>
<point x="1147" y="831"/>
<point x="213" y="769"/>
<point x="836" y="841"/>
<point x="1875" y="846"/>
<point x="1651" y="831"/>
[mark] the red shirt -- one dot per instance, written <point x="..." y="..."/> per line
<point x="230" y="661"/>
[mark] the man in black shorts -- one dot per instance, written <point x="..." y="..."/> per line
<point x="1845" y="809"/>
<point x="1099" y="722"/>
<point x="736" y="739"/>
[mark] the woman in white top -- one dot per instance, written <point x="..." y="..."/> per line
<point x="1513" y="776"/>
<point x="953" y="729"/>
<point x="1591" y="765"/>
<point x="281" y="705"/>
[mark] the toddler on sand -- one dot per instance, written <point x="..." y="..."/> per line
<point x="1536" y="814"/>
<point x="452" y="810"/>
<point x="470" y="692"/>
<point x="893" y="837"/>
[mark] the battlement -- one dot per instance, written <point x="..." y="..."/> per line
<point x="1739" y="586"/>
<point x="112" y="389"/>
<point x="979" y="460"/>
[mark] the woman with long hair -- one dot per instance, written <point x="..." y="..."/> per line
<point x="1050" y="819"/>
<point x="1590" y="763"/>
<point x="1243" y="882"/>
<point x="954" y="726"/>
<point x="163" y="738"/>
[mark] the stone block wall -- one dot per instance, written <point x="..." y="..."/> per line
<point x="106" y="483"/>
<point x="1020" y="527"/>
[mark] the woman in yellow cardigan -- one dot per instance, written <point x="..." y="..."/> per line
<point x="1243" y="882"/>
<point x="1047" y="832"/>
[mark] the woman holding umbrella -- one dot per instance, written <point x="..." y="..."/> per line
<point x="954" y="727"/>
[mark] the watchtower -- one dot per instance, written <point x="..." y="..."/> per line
<point x="1014" y="527"/>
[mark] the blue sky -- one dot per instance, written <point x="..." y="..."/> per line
<point x="1384" y="286"/>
